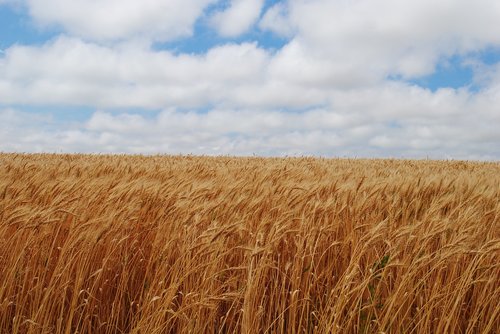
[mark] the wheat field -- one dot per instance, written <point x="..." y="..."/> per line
<point x="183" y="244"/>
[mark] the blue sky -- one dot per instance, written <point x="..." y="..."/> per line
<point x="245" y="77"/>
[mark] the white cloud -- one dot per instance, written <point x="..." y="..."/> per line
<point x="387" y="37"/>
<point x="69" y="71"/>
<point x="237" y="18"/>
<point x="334" y="69"/>
<point x="335" y="43"/>
<point x="275" y="19"/>
<point x="394" y="120"/>
<point x="106" y="20"/>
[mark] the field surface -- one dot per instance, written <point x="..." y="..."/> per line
<point x="132" y="244"/>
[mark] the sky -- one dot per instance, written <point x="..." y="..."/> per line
<point x="331" y="78"/>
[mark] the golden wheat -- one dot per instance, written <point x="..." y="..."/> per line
<point x="133" y="244"/>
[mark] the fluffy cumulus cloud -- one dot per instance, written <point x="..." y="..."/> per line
<point x="246" y="132"/>
<point x="387" y="37"/>
<point x="276" y="20"/>
<point x="69" y="71"/>
<point x="238" y="17"/>
<point x="106" y="20"/>
<point x="342" y="83"/>
<point x="392" y="121"/>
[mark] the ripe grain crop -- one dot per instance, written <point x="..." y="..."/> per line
<point x="172" y="244"/>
